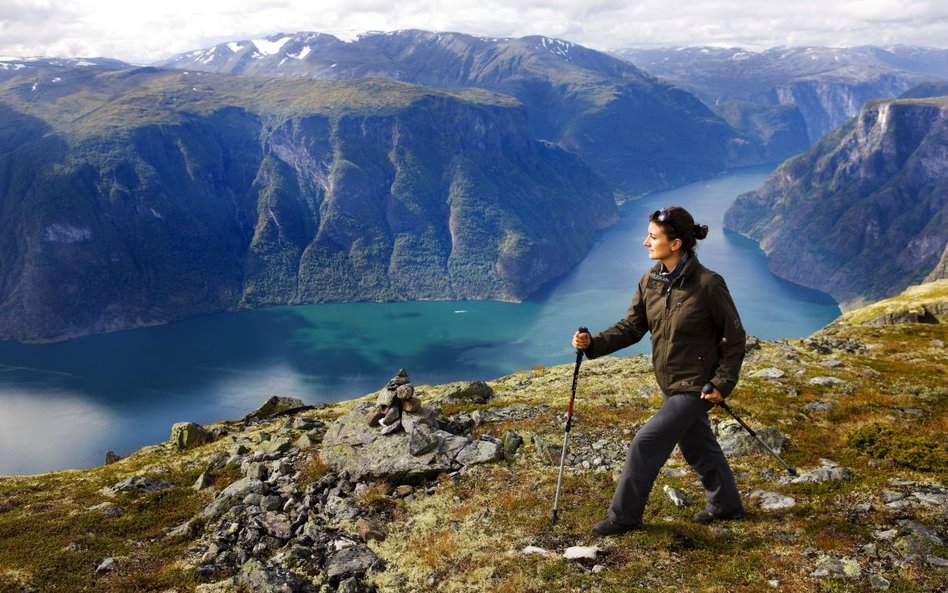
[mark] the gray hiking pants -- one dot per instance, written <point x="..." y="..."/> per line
<point x="682" y="420"/>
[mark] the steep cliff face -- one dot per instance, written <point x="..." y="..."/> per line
<point x="637" y="132"/>
<point x="862" y="214"/>
<point x="166" y="195"/>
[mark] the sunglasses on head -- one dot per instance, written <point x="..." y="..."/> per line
<point x="662" y="215"/>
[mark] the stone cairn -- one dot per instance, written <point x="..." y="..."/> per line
<point x="396" y="397"/>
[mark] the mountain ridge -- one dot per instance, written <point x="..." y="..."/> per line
<point x="869" y="196"/>
<point x="637" y="132"/>
<point x="196" y="193"/>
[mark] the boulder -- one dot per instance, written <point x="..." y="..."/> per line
<point x="768" y="373"/>
<point x="476" y="392"/>
<point x="352" y="561"/>
<point x="365" y="453"/>
<point x="273" y="406"/>
<point x="261" y="578"/>
<point x="736" y="442"/>
<point x="771" y="501"/>
<point x="141" y="484"/>
<point x="481" y="451"/>
<point x="185" y="435"/>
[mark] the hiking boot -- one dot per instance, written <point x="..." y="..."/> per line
<point x="705" y="517"/>
<point x="610" y="527"/>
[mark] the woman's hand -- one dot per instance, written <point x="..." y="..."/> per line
<point x="713" y="396"/>
<point x="581" y="340"/>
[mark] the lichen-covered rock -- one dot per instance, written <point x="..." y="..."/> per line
<point x="476" y="392"/>
<point x="185" y="435"/>
<point x="352" y="561"/>
<point x="736" y="442"/>
<point x="365" y="453"/>
<point x="273" y="406"/>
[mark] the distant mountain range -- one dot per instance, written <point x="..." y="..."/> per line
<point x="131" y="197"/>
<point x="301" y="168"/>
<point x="788" y="98"/>
<point x="864" y="213"/>
<point x="639" y="133"/>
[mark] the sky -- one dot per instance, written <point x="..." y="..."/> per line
<point x="148" y="32"/>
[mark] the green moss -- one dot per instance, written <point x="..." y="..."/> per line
<point x="919" y="452"/>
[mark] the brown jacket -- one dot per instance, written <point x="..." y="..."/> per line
<point x="697" y="334"/>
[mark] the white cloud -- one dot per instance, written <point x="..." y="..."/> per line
<point x="147" y="32"/>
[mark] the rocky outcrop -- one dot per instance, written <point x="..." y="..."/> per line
<point x="863" y="214"/>
<point x="398" y="439"/>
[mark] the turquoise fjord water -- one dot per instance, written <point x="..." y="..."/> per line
<point x="64" y="405"/>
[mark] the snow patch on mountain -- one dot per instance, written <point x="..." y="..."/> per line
<point x="557" y="46"/>
<point x="235" y="46"/>
<point x="303" y="53"/>
<point x="268" y="48"/>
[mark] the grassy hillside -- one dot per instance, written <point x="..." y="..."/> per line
<point x="870" y="398"/>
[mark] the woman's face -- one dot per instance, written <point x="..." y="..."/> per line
<point x="658" y="245"/>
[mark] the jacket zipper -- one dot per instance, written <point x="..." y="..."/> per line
<point x="667" y="320"/>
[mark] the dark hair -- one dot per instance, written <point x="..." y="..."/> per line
<point x="679" y="224"/>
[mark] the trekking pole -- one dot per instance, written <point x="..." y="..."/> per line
<point x="569" y="424"/>
<point x="710" y="388"/>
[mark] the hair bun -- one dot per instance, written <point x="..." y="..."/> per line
<point x="701" y="231"/>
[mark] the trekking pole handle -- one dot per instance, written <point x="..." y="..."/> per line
<point x="582" y="330"/>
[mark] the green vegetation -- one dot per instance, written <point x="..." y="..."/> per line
<point x="922" y="453"/>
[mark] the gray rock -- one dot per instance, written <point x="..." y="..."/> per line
<point x="512" y="442"/>
<point x="231" y="495"/>
<point x="879" y="582"/>
<point x="274" y="406"/>
<point x="818" y="406"/>
<point x="203" y="481"/>
<point x="736" y="442"/>
<point x="386" y="398"/>
<point x="338" y="509"/>
<point x="480" y="451"/>
<point x="185" y="435"/>
<point x="422" y="440"/>
<point x="141" y="484"/>
<point x="476" y="392"/>
<point x="404" y="392"/>
<point x="107" y="565"/>
<point x="771" y="501"/>
<point x="107" y="509"/>
<point x="677" y="496"/>
<point x="534" y="550"/>
<point x="839" y="567"/>
<point x="271" y="503"/>
<point x="261" y="578"/>
<point x="351" y="446"/>
<point x="826" y="381"/>
<point x="217" y="461"/>
<point x="352" y="561"/>
<point x="581" y="552"/>
<point x="823" y="474"/>
<point x="937" y="561"/>
<point x="768" y="373"/>
<point x="276" y="524"/>
<point x="278" y="445"/>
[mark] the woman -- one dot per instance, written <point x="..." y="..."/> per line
<point x="697" y="340"/>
